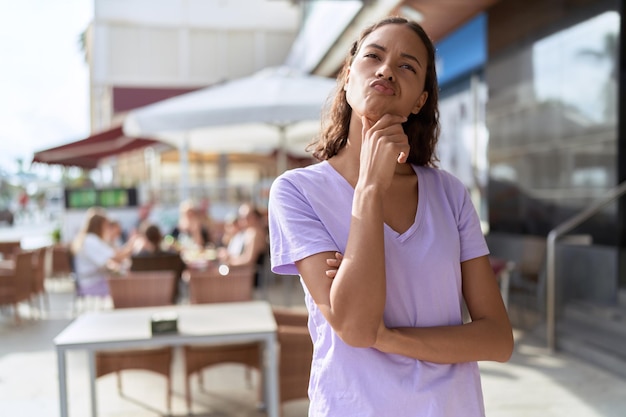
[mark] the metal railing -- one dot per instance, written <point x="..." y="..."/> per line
<point x="554" y="234"/>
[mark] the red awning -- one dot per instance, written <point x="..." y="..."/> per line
<point x="88" y="152"/>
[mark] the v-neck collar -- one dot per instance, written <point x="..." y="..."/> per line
<point x="421" y="193"/>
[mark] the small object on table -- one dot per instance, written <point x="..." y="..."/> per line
<point x="164" y="323"/>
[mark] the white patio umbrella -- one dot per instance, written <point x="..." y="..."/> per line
<point x="276" y="109"/>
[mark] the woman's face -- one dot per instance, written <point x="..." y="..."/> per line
<point x="387" y="74"/>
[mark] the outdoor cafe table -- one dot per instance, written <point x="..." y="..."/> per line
<point x="249" y="321"/>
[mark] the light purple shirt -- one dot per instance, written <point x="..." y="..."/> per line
<point x="309" y="212"/>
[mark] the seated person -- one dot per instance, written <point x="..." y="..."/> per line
<point x="249" y="245"/>
<point x="93" y="257"/>
<point x="190" y="230"/>
<point x="149" y="241"/>
<point x="150" y="255"/>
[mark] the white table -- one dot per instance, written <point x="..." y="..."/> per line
<point x="251" y="321"/>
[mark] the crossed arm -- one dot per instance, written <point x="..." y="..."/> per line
<point x="487" y="337"/>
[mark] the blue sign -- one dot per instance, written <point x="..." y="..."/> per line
<point x="463" y="51"/>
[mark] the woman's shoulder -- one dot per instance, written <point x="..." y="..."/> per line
<point x="94" y="243"/>
<point x="440" y="176"/>
<point x="305" y="173"/>
<point x="305" y="178"/>
<point x="91" y="238"/>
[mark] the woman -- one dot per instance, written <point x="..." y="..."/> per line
<point x="386" y="318"/>
<point x="249" y="245"/>
<point x="94" y="257"/>
<point x="190" y="230"/>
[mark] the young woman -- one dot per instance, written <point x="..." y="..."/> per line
<point x="94" y="257"/>
<point x="402" y="240"/>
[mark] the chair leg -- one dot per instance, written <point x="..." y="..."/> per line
<point x="16" y="314"/>
<point x="169" y="395"/>
<point x="188" y="393"/>
<point x="45" y="301"/>
<point x="248" y="371"/>
<point x="118" y="375"/>
<point x="201" y="380"/>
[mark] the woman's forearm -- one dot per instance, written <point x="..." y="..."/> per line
<point x="484" y="339"/>
<point x="357" y="294"/>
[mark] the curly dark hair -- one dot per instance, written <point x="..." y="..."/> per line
<point x="422" y="128"/>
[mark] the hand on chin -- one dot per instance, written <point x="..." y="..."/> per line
<point x="374" y="110"/>
<point x="375" y="114"/>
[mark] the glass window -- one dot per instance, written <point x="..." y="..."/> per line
<point x="552" y="122"/>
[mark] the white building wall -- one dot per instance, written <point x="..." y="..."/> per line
<point x="183" y="43"/>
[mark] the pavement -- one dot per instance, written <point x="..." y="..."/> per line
<point x="533" y="383"/>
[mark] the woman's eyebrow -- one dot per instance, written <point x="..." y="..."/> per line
<point x="402" y="54"/>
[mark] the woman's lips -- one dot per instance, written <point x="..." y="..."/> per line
<point x="383" y="87"/>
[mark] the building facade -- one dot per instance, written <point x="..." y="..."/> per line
<point x="144" y="51"/>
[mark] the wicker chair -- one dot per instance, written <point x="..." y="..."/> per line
<point x="211" y="286"/>
<point x="296" y="353"/>
<point x="61" y="261"/>
<point x="140" y="289"/>
<point x="16" y="284"/>
<point x="8" y="249"/>
<point x="160" y="261"/>
<point x="39" y="277"/>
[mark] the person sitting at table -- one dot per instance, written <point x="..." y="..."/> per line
<point x="190" y="230"/>
<point x="93" y="257"/>
<point x="116" y="236"/>
<point x="231" y="227"/>
<point x="150" y="254"/>
<point x="248" y="246"/>
<point x="149" y="240"/>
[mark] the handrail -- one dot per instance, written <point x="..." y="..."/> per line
<point x="554" y="234"/>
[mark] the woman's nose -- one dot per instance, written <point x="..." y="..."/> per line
<point x="385" y="72"/>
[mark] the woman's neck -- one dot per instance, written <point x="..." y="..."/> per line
<point x="348" y="160"/>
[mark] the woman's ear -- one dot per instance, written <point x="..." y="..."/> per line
<point x="345" y="84"/>
<point x="420" y="102"/>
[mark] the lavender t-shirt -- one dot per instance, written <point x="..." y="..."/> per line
<point x="309" y="213"/>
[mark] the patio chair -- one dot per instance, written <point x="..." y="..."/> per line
<point x="9" y="248"/>
<point x="296" y="353"/>
<point x="140" y="289"/>
<point x="211" y="286"/>
<point x="161" y="261"/>
<point x="16" y="284"/>
<point x="61" y="261"/>
<point x="39" y="278"/>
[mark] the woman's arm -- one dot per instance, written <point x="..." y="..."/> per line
<point x="353" y="302"/>
<point x="124" y="253"/>
<point x="487" y="337"/>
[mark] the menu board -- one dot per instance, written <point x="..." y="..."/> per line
<point x="116" y="197"/>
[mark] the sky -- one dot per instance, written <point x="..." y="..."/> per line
<point x="44" y="80"/>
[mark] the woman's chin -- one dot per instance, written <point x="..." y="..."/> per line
<point x="373" y="115"/>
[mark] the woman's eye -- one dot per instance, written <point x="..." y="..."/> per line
<point x="371" y="56"/>
<point x="409" y="67"/>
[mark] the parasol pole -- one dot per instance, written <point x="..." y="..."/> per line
<point x="281" y="163"/>
<point x="184" y="167"/>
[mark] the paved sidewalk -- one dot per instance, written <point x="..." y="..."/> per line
<point x="535" y="383"/>
<point x="532" y="384"/>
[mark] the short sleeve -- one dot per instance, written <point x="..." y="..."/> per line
<point x="295" y="229"/>
<point x="473" y="242"/>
